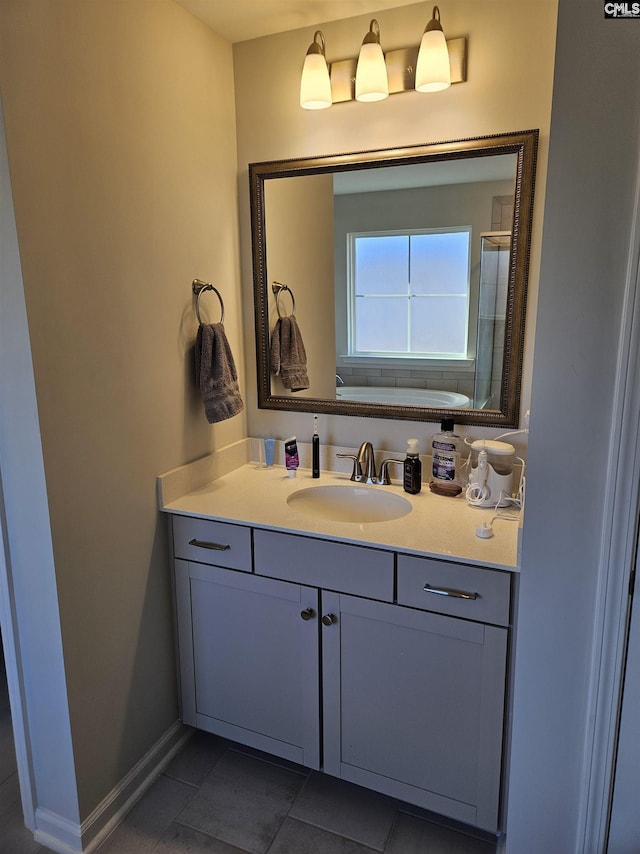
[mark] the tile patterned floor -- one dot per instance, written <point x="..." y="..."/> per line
<point x="217" y="797"/>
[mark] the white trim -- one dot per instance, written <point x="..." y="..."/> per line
<point x="14" y="312"/>
<point x="409" y="296"/>
<point x="616" y="562"/>
<point x="110" y="812"/>
<point x="379" y="360"/>
<point x="66" y="837"/>
<point x="57" y="833"/>
<point x="15" y="682"/>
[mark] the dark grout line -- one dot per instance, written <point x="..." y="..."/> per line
<point x="209" y="836"/>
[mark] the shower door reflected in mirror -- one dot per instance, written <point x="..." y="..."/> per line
<point x="409" y="272"/>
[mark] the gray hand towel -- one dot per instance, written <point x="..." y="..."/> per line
<point x="288" y="356"/>
<point x="216" y="374"/>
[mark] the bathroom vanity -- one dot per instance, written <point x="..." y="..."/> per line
<point x="375" y="652"/>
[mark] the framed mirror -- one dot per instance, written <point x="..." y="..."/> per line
<point x="401" y="275"/>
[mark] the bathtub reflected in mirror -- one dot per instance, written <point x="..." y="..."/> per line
<point x="398" y="396"/>
<point x="307" y="218"/>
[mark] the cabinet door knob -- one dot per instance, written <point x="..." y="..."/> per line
<point x="329" y="619"/>
<point x="307" y="614"/>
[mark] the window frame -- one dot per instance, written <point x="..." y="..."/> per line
<point x="419" y="358"/>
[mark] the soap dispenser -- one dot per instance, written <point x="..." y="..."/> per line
<point x="412" y="480"/>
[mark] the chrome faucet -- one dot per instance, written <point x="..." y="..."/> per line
<point x="364" y="466"/>
<point x="367" y="461"/>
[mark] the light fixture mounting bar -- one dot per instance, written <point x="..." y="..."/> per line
<point x="401" y="70"/>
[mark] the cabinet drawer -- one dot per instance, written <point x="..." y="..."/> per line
<point x="454" y="589"/>
<point x="321" y="563"/>
<point x="217" y="543"/>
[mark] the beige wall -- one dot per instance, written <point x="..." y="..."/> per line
<point x="300" y="255"/>
<point x="508" y="88"/>
<point x="120" y="128"/>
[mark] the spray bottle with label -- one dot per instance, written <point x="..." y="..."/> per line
<point x="445" y="453"/>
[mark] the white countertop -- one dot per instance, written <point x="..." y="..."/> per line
<point x="437" y="526"/>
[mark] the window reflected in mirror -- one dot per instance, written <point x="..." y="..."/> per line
<point x="409" y="269"/>
<point x="408" y="293"/>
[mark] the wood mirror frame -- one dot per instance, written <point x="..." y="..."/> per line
<point x="522" y="144"/>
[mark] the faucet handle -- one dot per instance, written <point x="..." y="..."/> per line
<point x="383" y="477"/>
<point x="356" y="474"/>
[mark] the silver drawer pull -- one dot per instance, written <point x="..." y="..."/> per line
<point x="203" y="544"/>
<point x="449" y="591"/>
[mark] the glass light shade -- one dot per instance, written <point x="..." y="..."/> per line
<point x="315" y="84"/>
<point x="372" y="83"/>
<point x="433" y="71"/>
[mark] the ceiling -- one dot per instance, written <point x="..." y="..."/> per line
<point x="501" y="167"/>
<point x="241" y="20"/>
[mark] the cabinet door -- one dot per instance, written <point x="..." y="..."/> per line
<point x="413" y="705"/>
<point x="250" y="659"/>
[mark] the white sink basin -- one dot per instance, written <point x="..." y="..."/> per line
<point x="349" y="503"/>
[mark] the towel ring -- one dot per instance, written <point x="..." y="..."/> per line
<point x="278" y="288"/>
<point x="199" y="287"/>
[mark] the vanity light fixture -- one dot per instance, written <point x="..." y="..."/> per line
<point x="433" y="71"/>
<point x="372" y="83"/>
<point x="373" y="75"/>
<point x="315" y="84"/>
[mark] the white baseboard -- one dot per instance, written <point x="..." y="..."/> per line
<point x="67" y="837"/>
<point x="57" y="833"/>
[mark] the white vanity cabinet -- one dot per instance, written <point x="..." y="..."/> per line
<point x="402" y="658"/>
<point x="413" y="705"/>
<point x="248" y="646"/>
